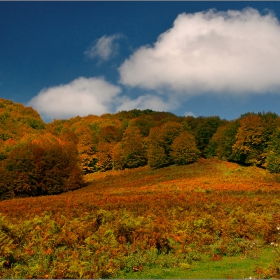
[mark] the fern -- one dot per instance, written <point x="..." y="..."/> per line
<point x="6" y="244"/>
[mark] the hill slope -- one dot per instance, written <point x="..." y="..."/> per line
<point x="136" y="220"/>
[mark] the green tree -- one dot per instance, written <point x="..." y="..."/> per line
<point x="204" y="131"/>
<point x="156" y="155"/>
<point x="144" y="123"/>
<point x="272" y="162"/>
<point x="160" y="141"/>
<point x="222" y="141"/>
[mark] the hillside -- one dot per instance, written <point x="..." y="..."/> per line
<point x="129" y="223"/>
<point x="44" y="159"/>
<point x="16" y="120"/>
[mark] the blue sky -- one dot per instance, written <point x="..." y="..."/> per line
<point x="190" y="58"/>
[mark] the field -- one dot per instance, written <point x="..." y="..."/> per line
<point x="210" y="219"/>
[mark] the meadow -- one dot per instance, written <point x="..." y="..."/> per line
<point x="209" y="219"/>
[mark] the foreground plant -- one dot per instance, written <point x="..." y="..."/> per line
<point x="273" y="270"/>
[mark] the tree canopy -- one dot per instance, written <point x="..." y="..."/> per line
<point x="46" y="158"/>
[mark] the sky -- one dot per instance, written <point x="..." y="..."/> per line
<point x="190" y="58"/>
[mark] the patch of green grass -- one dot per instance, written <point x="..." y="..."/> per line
<point x="236" y="267"/>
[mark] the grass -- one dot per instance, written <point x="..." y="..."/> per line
<point x="235" y="267"/>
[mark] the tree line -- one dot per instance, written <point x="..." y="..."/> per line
<point x="38" y="158"/>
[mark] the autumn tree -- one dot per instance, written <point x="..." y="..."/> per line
<point x="44" y="165"/>
<point x="87" y="148"/>
<point x="251" y="139"/>
<point x="117" y="157"/>
<point x="272" y="162"/>
<point x="169" y="131"/>
<point x="16" y="120"/>
<point x="133" y="152"/>
<point x="204" y="131"/>
<point x="104" y="156"/>
<point x="110" y="134"/>
<point x="160" y="141"/>
<point x="144" y="123"/>
<point x="156" y="153"/>
<point x="184" y="150"/>
<point x="56" y="127"/>
<point x="192" y="122"/>
<point x="222" y="142"/>
<point x="186" y="127"/>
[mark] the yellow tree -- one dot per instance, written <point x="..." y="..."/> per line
<point x="184" y="150"/>
<point x="104" y="156"/>
<point x="250" y="140"/>
<point x="160" y="141"/>
<point x="133" y="150"/>
<point x="157" y="156"/>
<point x="144" y="123"/>
<point x="117" y="157"/>
<point x="87" y="148"/>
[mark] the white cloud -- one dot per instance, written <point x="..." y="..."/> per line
<point x="104" y="48"/>
<point x="85" y="96"/>
<point x="234" y="51"/>
<point x="189" y="114"/>
<point x="82" y="97"/>
<point x="143" y="102"/>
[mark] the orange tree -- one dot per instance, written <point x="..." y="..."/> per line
<point x="42" y="165"/>
<point x="104" y="156"/>
<point x="110" y="134"/>
<point x="253" y="136"/>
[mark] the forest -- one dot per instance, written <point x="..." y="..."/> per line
<point x="138" y="194"/>
<point x="40" y="158"/>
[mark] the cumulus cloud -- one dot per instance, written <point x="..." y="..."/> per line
<point x="147" y="101"/>
<point x="85" y="96"/>
<point x="234" y="51"/>
<point x="104" y="48"/>
<point x="82" y="97"/>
